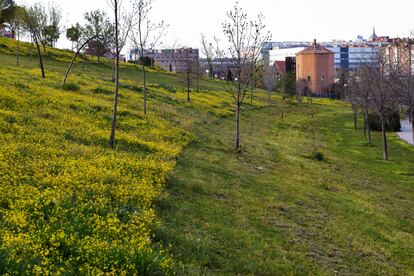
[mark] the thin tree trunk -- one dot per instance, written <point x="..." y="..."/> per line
<point x="412" y="121"/>
<point x="198" y="78"/>
<point x="270" y="97"/>
<point x="283" y="101"/>
<point x="384" y="137"/>
<point x="40" y="58"/>
<point x="18" y="52"/>
<point x="113" y="70"/>
<point x="355" y="113"/>
<point x="366" y="112"/>
<point x="74" y="58"/>
<point x="365" y="121"/>
<point x="112" y="138"/>
<point x="311" y="102"/>
<point x="188" y="79"/>
<point x="238" y="109"/>
<point x="145" y="87"/>
<point x="188" y="87"/>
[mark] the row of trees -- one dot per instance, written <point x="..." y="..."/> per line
<point x="41" y="23"/>
<point x="372" y="88"/>
<point x="378" y="90"/>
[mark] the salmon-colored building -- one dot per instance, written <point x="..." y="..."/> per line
<point x="316" y="65"/>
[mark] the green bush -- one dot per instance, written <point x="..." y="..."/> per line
<point x="100" y="90"/>
<point x="317" y="155"/>
<point x="393" y="121"/>
<point x="71" y="87"/>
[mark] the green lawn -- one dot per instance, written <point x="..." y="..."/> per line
<point x="349" y="214"/>
<point x="173" y="197"/>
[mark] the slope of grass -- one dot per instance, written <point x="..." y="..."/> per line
<point x="69" y="204"/>
<point x="275" y="210"/>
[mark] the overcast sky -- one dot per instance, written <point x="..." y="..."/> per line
<point x="287" y="20"/>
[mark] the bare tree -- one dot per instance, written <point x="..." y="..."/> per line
<point x="302" y="89"/>
<point x="208" y="51"/>
<point x="123" y="24"/>
<point x="402" y="74"/>
<point x="359" y="93"/>
<point x="146" y="35"/>
<point x="246" y="38"/>
<point x="380" y="89"/>
<point x="17" y="26"/>
<point x="270" y="80"/>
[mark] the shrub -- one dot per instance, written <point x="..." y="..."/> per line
<point x="317" y="155"/>
<point x="71" y="87"/>
<point x="392" y="118"/>
<point x="100" y="90"/>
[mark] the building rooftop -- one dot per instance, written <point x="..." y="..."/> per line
<point x="315" y="48"/>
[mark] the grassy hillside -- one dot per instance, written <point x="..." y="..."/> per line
<point x="70" y="204"/>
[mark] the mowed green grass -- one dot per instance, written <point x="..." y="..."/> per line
<point x="273" y="210"/>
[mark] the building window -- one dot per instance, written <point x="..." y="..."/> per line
<point x="323" y="78"/>
<point x="309" y="78"/>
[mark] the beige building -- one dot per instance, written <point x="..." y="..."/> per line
<point x="174" y="60"/>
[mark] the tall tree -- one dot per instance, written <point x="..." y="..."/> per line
<point x="145" y="35"/>
<point x="245" y="40"/>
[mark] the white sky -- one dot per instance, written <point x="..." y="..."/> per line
<point x="287" y="20"/>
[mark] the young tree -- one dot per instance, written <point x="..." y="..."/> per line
<point x="381" y="98"/>
<point x="246" y="38"/>
<point x="302" y="89"/>
<point x="403" y="84"/>
<point x="33" y="23"/>
<point x="16" y="25"/>
<point x="122" y="27"/>
<point x="73" y="34"/>
<point x="269" y="80"/>
<point x="52" y="30"/>
<point x="145" y="35"/>
<point x="287" y="86"/>
<point x="208" y="51"/>
<point x="99" y="26"/>
<point x="358" y="90"/>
